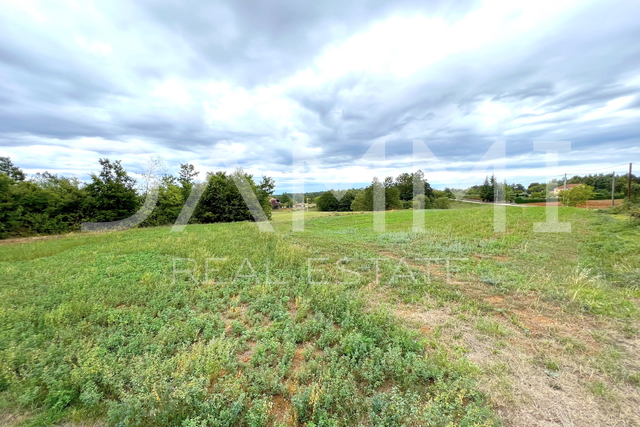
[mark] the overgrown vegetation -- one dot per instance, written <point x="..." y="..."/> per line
<point x="96" y="328"/>
<point x="406" y="191"/>
<point x="52" y="204"/>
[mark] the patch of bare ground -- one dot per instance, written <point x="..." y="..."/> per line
<point x="540" y="366"/>
<point x="245" y="356"/>
<point x="281" y="411"/>
<point x="536" y="379"/>
<point x="11" y="420"/>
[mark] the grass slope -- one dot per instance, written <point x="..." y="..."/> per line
<point x="337" y="325"/>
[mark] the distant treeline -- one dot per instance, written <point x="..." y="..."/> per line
<point x="407" y="191"/>
<point x="46" y="203"/>
<point x="601" y="184"/>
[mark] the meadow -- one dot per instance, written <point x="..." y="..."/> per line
<point x="224" y="325"/>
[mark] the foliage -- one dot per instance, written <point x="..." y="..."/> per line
<point x="111" y="194"/>
<point x="8" y="168"/>
<point x="95" y="328"/>
<point x="421" y="201"/>
<point x="534" y="200"/>
<point x="487" y="189"/>
<point x="410" y="185"/>
<point x="365" y="201"/>
<point x="51" y="204"/>
<point x="48" y="204"/>
<point x="170" y="202"/>
<point x="113" y="337"/>
<point x="441" y="203"/>
<point x="329" y="202"/>
<point x="575" y="196"/>
<point x="285" y="201"/>
<point x="223" y="199"/>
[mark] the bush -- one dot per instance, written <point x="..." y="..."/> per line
<point x="441" y="203"/>
<point x="532" y="200"/>
<point x="576" y="196"/>
<point x="421" y="201"/>
<point x="328" y="202"/>
<point x="222" y="200"/>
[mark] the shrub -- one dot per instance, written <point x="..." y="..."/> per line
<point x="532" y="200"/>
<point x="329" y="202"/>
<point x="441" y="203"/>
<point x="576" y="195"/>
<point x="421" y="201"/>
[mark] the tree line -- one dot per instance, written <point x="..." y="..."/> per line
<point x="600" y="185"/>
<point x="47" y="203"/>
<point x="406" y="191"/>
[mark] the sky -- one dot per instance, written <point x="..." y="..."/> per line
<point x="268" y="84"/>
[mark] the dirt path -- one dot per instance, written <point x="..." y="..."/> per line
<point x="539" y="365"/>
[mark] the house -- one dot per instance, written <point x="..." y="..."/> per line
<point x="562" y="187"/>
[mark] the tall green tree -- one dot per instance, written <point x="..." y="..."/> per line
<point x="364" y="200"/>
<point x="187" y="178"/>
<point x="222" y="199"/>
<point x="170" y="202"/>
<point x="327" y="202"/>
<point x="12" y="171"/>
<point x="487" y="189"/>
<point x="111" y="195"/>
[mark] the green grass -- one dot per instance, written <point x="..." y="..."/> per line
<point x="94" y="327"/>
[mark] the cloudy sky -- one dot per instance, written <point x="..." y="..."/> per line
<point x="209" y="82"/>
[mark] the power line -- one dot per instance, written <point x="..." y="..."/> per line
<point x="608" y="168"/>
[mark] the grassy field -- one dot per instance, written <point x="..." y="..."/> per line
<point x="223" y="325"/>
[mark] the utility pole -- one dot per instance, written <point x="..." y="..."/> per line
<point x="565" y="181"/>
<point x="629" y="184"/>
<point x="613" y="188"/>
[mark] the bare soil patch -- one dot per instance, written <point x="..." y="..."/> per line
<point x="541" y="366"/>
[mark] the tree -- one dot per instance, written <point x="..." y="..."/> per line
<point x="577" y="195"/>
<point x="406" y="185"/>
<point x="344" y="204"/>
<point x="267" y="184"/>
<point x="487" y="189"/>
<point x="111" y="195"/>
<point x="169" y="205"/>
<point x="327" y="202"/>
<point x="6" y="205"/>
<point x="503" y="192"/>
<point x="392" y="198"/>
<point x="285" y="201"/>
<point x="8" y="168"/>
<point x="187" y="178"/>
<point x="442" y="203"/>
<point x="333" y="200"/>
<point x="364" y="200"/>
<point x="421" y="202"/>
<point x="518" y="188"/>
<point x="222" y="199"/>
<point x="153" y="171"/>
